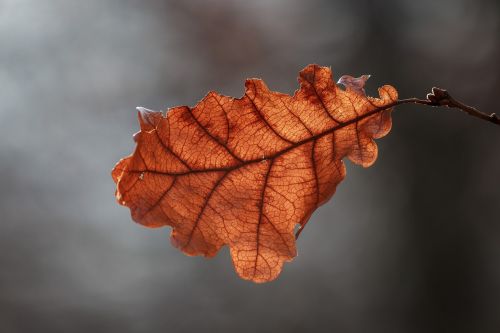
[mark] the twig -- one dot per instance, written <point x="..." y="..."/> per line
<point x="441" y="97"/>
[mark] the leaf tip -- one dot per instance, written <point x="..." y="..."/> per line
<point x="148" y="118"/>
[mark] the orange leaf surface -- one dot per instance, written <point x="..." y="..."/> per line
<point x="244" y="172"/>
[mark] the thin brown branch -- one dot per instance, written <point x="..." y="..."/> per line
<point x="441" y="97"/>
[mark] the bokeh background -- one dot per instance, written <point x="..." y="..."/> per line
<point x="411" y="244"/>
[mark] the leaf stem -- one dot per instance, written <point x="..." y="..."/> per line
<point x="441" y="97"/>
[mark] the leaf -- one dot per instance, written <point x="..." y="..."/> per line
<point x="245" y="172"/>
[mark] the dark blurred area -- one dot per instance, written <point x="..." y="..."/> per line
<point x="411" y="244"/>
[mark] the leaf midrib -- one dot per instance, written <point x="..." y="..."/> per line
<point x="297" y="144"/>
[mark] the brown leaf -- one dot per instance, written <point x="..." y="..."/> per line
<point x="244" y="172"/>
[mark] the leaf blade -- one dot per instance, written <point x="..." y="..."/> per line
<point x="244" y="172"/>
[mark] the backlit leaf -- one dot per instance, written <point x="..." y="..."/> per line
<point x="244" y="172"/>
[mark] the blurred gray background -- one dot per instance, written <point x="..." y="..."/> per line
<point x="409" y="245"/>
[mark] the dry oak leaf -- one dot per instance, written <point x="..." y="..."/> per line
<point x="246" y="171"/>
